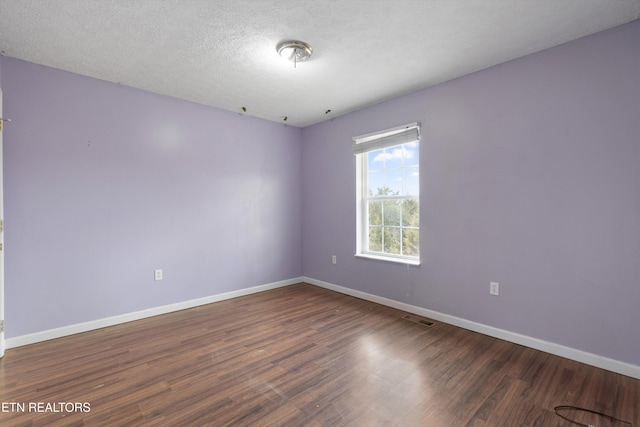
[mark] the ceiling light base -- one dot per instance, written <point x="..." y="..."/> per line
<point x="294" y="50"/>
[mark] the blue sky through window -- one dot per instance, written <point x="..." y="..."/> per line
<point x="395" y="168"/>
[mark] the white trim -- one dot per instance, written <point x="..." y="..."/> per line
<point x="361" y="209"/>
<point x="388" y="258"/>
<point x="123" y="318"/>
<point x="612" y="365"/>
<point x="2" y="339"/>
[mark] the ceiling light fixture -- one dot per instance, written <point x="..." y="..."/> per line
<point x="295" y="51"/>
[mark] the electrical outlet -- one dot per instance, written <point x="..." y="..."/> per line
<point x="494" y="288"/>
<point x="334" y="260"/>
<point x="157" y="274"/>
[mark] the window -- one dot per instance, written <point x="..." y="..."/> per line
<point x="388" y="194"/>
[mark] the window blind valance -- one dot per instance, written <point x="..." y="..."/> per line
<point x="386" y="138"/>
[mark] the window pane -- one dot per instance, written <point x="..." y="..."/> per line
<point x="375" y="183"/>
<point x="410" y="242"/>
<point x="393" y="180"/>
<point x="391" y="188"/>
<point x="411" y="154"/>
<point x="375" y="212"/>
<point x="393" y="157"/>
<point x="391" y="212"/>
<point x="410" y="213"/>
<point x="392" y="240"/>
<point x="411" y="182"/>
<point x="375" y="239"/>
<point x="375" y="160"/>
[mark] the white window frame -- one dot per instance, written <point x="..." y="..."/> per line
<point x="362" y="145"/>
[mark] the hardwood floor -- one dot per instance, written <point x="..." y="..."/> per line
<point x="300" y="356"/>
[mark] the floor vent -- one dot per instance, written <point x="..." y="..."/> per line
<point x="418" y="319"/>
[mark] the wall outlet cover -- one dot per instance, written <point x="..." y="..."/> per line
<point x="494" y="288"/>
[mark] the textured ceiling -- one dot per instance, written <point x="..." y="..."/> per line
<point x="222" y="52"/>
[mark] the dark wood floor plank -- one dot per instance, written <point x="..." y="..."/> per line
<point x="301" y="356"/>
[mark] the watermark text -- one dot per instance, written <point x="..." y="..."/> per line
<point x="65" y="407"/>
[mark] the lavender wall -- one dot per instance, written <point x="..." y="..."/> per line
<point x="104" y="184"/>
<point x="530" y="177"/>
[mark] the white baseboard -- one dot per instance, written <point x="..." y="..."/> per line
<point x="128" y="317"/>
<point x="612" y="365"/>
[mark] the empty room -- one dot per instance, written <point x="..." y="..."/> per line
<point x="320" y="213"/>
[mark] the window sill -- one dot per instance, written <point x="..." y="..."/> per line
<point x="389" y="259"/>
